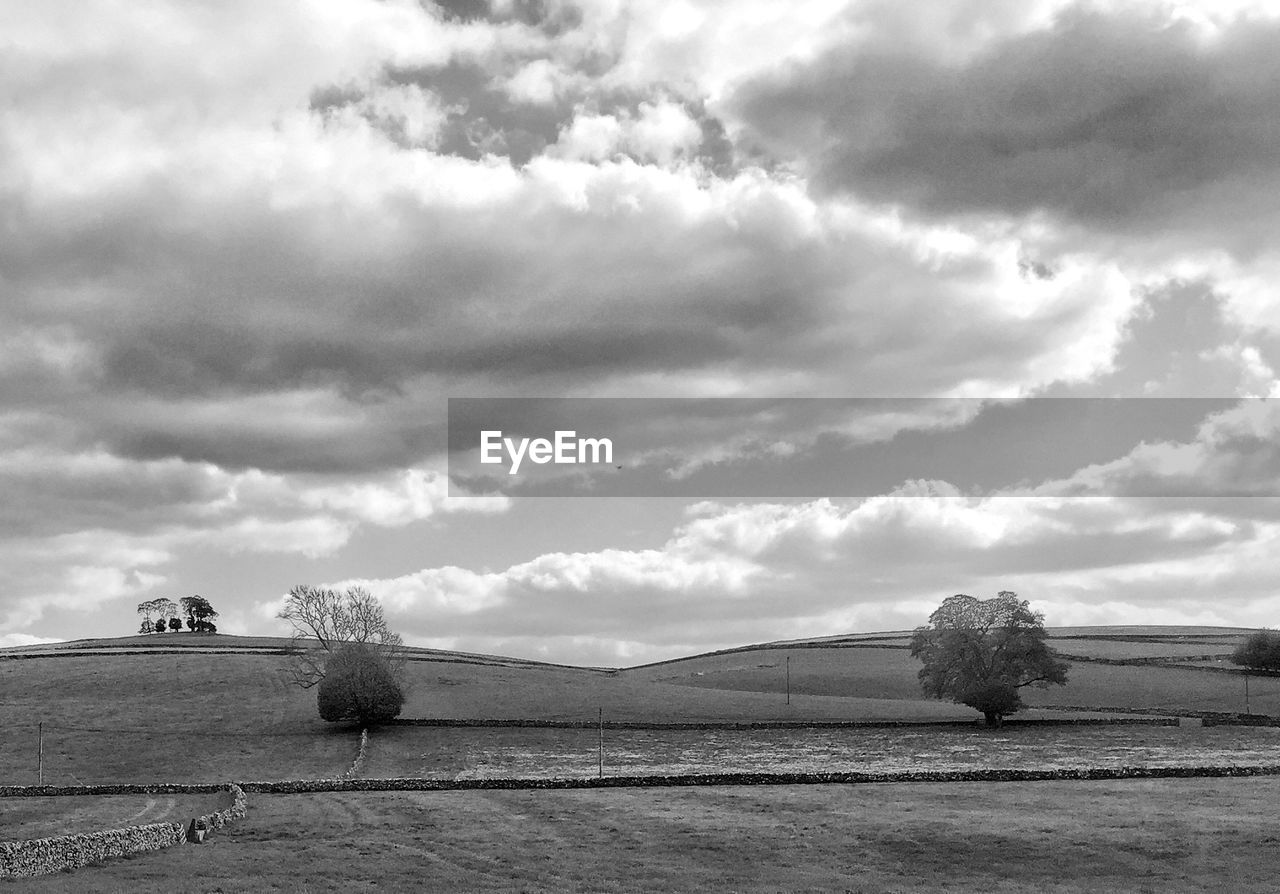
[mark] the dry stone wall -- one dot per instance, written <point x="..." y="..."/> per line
<point x="42" y="856"/>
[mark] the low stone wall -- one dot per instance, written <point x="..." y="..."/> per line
<point x="238" y="810"/>
<point x="358" y="763"/>
<point x="305" y="786"/>
<point x="1010" y="722"/>
<point x="42" y="856"/>
<point x="123" y="788"/>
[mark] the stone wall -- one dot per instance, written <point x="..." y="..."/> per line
<point x="42" y="856"/>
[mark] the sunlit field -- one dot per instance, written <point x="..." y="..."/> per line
<point x="177" y="714"/>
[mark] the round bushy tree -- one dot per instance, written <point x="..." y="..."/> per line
<point x="359" y="685"/>
<point x="1260" y="651"/>
<point x="980" y="652"/>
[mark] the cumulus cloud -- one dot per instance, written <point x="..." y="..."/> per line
<point x="249" y="251"/>
<point x="760" y="572"/>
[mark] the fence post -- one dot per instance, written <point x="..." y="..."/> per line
<point x="40" y="753"/>
<point x="600" y="744"/>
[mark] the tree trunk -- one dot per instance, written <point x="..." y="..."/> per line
<point x="994" y="720"/>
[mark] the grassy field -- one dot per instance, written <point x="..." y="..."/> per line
<point x="213" y="718"/>
<point x="169" y="716"/>
<point x="879" y="673"/>
<point x="1165" y="836"/>
<point x="1121" y="649"/>
<point x="495" y="753"/>
<point x="166" y="715"/>
<point x="162" y="718"/>
<point x="46" y="817"/>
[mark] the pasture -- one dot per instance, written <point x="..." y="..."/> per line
<point x="219" y="709"/>
<point x="1164" y="835"/>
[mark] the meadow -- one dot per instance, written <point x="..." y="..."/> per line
<point x="217" y="709"/>
<point x="467" y="753"/>
<point x="1058" y="838"/>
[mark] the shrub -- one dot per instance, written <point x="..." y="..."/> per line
<point x="359" y="685"/>
<point x="1260" y="651"/>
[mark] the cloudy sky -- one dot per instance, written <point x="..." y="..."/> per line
<point x="248" y="251"/>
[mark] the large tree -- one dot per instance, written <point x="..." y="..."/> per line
<point x="200" y="614"/>
<point x="980" y="652"/>
<point x="325" y="619"/>
<point x="359" y="685"/>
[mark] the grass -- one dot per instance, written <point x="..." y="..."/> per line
<point x="1166" y="836"/>
<point x="161" y="716"/>
<point x="891" y="674"/>
<point x="489" y="753"/>
<point x="46" y="817"/>
<point x="1110" y="648"/>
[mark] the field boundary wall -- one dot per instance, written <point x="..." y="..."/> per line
<point x="44" y="856"/>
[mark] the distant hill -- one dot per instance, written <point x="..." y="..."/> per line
<point x="205" y="707"/>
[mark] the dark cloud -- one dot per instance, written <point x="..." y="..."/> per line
<point x="1119" y="119"/>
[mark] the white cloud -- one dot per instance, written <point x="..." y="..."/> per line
<point x="761" y="572"/>
<point x="244" y="270"/>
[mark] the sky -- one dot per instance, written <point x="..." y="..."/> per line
<point x="250" y="252"/>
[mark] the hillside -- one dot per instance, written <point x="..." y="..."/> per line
<point x="1151" y="668"/>
<point x="209" y="708"/>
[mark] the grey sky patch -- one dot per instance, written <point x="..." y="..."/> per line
<point x="1181" y="342"/>
<point x="1117" y="119"/>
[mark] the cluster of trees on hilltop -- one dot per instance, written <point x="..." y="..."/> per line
<point x="159" y="615"/>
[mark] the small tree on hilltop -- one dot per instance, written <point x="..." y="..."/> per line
<point x="175" y="624"/>
<point x="147" y="610"/>
<point x="199" y="614"/>
<point x="1259" y="651"/>
<point x="359" y="685"/>
<point x="981" y="652"/>
<point x="165" y="609"/>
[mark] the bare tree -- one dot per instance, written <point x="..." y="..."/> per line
<point x="332" y="619"/>
<point x="147" y="609"/>
<point x="167" y="609"/>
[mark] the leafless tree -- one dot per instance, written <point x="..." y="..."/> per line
<point x="325" y="619"/>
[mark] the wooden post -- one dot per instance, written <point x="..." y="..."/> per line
<point x="788" y="679"/>
<point x="1246" y="693"/>
<point x="40" y="754"/>
<point x="600" y="745"/>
